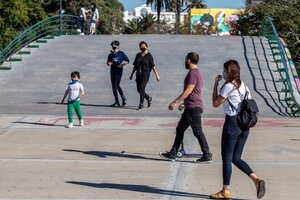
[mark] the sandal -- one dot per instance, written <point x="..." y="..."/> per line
<point x="220" y="195"/>
<point x="260" y="188"/>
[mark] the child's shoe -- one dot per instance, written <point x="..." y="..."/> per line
<point x="220" y="195"/>
<point x="81" y="123"/>
<point x="70" y="125"/>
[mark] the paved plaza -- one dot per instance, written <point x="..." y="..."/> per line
<point x="115" y="155"/>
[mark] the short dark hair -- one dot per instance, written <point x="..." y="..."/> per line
<point x="193" y="56"/>
<point x="143" y="42"/>
<point x="75" y="74"/>
<point x="116" y="42"/>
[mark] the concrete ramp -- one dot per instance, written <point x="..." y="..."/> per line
<point x="36" y="85"/>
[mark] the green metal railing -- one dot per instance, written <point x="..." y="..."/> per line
<point x="56" y="25"/>
<point x="280" y="56"/>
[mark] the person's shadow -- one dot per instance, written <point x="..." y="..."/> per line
<point x="139" y="188"/>
<point x="105" y="154"/>
<point x="92" y="105"/>
<point x="122" y="154"/>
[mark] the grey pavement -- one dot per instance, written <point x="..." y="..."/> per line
<point x="115" y="155"/>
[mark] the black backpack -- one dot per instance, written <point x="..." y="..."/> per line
<point x="247" y="117"/>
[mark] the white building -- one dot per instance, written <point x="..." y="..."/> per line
<point x="168" y="17"/>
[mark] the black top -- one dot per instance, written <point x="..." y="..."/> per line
<point x="143" y="63"/>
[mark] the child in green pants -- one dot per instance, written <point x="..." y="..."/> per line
<point x="74" y="90"/>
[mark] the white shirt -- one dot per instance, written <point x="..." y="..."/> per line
<point x="229" y="91"/>
<point x="74" y="91"/>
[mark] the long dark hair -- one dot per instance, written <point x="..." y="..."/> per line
<point x="233" y="71"/>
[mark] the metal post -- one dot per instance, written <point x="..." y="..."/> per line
<point x="60" y="17"/>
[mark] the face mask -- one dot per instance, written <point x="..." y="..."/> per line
<point x="225" y="75"/>
<point x="143" y="49"/>
<point x="186" y="64"/>
<point x="74" y="81"/>
<point x="114" y="48"/>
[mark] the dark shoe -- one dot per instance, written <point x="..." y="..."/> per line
<point x="141" y="106"/>
<point x="115" y="105"/>
<point x="206" y="158"/>
<point x="124" y="101"/>
<point x="261" y="188"/>
<point x="149" y="101"/>
<point x="171" y="155"/>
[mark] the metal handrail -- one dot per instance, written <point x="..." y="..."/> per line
<point x="59" y="24"/>
<point x="269" y="31"/>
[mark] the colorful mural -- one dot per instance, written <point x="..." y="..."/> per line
<point x="220" y="21"/>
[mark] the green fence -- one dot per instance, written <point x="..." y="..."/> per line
<point x="53" y="26"/>
<point x="284" y="66"/>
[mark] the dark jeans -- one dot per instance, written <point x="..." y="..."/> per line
<point x="115" y="83"/>
<point x="233" y="142"/>
<point x="141" y="82"/>
<point x="80" y="24"/>
<point x="191" y="117"/>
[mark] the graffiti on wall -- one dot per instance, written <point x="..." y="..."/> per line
<point x="215" y="21"/>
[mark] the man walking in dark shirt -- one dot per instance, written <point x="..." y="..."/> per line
<point x="193" y="108"/>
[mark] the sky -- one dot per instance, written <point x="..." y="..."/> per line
<point x="131" y="4"/>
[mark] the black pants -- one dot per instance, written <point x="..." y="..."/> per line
<point x="233" y="142"/>
<point x="141" y="82"/>
<point x="191" y="117"/>
<point x="115" y="83"/>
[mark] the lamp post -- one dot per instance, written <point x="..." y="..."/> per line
<point x="60" y="17"/>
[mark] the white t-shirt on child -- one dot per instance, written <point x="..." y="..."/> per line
<point x="74" y="91"/>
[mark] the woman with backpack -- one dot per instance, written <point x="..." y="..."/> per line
<point x="234" y="136"/>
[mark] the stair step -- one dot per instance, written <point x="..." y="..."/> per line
<point x="33" y="46"/>
<point x="5" y="68"/>
<point x="281" y="80"/>
<point x="15" y="59"/>
<point x="49" y="37"/>
<point x="41" y="41"/>
<point x="284" y="90"/>
<point x="24" y="52"/>
<point x="56" y="35"/>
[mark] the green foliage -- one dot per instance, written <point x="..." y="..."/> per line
<point x="16" y="15"/>
<point x="285" y="15"/>
<point x="140" y="24"/>
<point x="110" y="11"/>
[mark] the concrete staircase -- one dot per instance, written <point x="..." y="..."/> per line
<point x="36" y="85"/>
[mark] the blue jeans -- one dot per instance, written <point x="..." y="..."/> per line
<point x="191" y="117"/>
<point x="233" y="142"/>
<point x="80" y="24"/>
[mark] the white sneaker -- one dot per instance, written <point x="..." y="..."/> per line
<point x="78" y="30"/>
<point x="70" y="125"/>
<point x="81" y="123"/>
<point x="81" y="34"/>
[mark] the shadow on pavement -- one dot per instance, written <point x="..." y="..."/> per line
<point x="94" y="105"/>
<point x="40" y="124"/>
<point x="139" y="188"/>
<point x="104" y="154"/>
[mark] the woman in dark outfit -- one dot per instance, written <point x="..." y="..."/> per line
<point x="116" y="60"/>
<point x="143" y="64"/>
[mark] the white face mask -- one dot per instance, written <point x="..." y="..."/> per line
<point x="225" y="75"/>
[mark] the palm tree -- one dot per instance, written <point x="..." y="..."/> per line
<point x="158" y="4"/>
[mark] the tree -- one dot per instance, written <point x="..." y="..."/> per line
<point x="285" y="15"/>
<point x="16" y="15"/>
<point x="140" y="24"/>
<point x="110" y="11"/>
<point x="158" y="4"/>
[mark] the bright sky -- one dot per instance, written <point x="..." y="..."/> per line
<point x="131" y="4"/>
